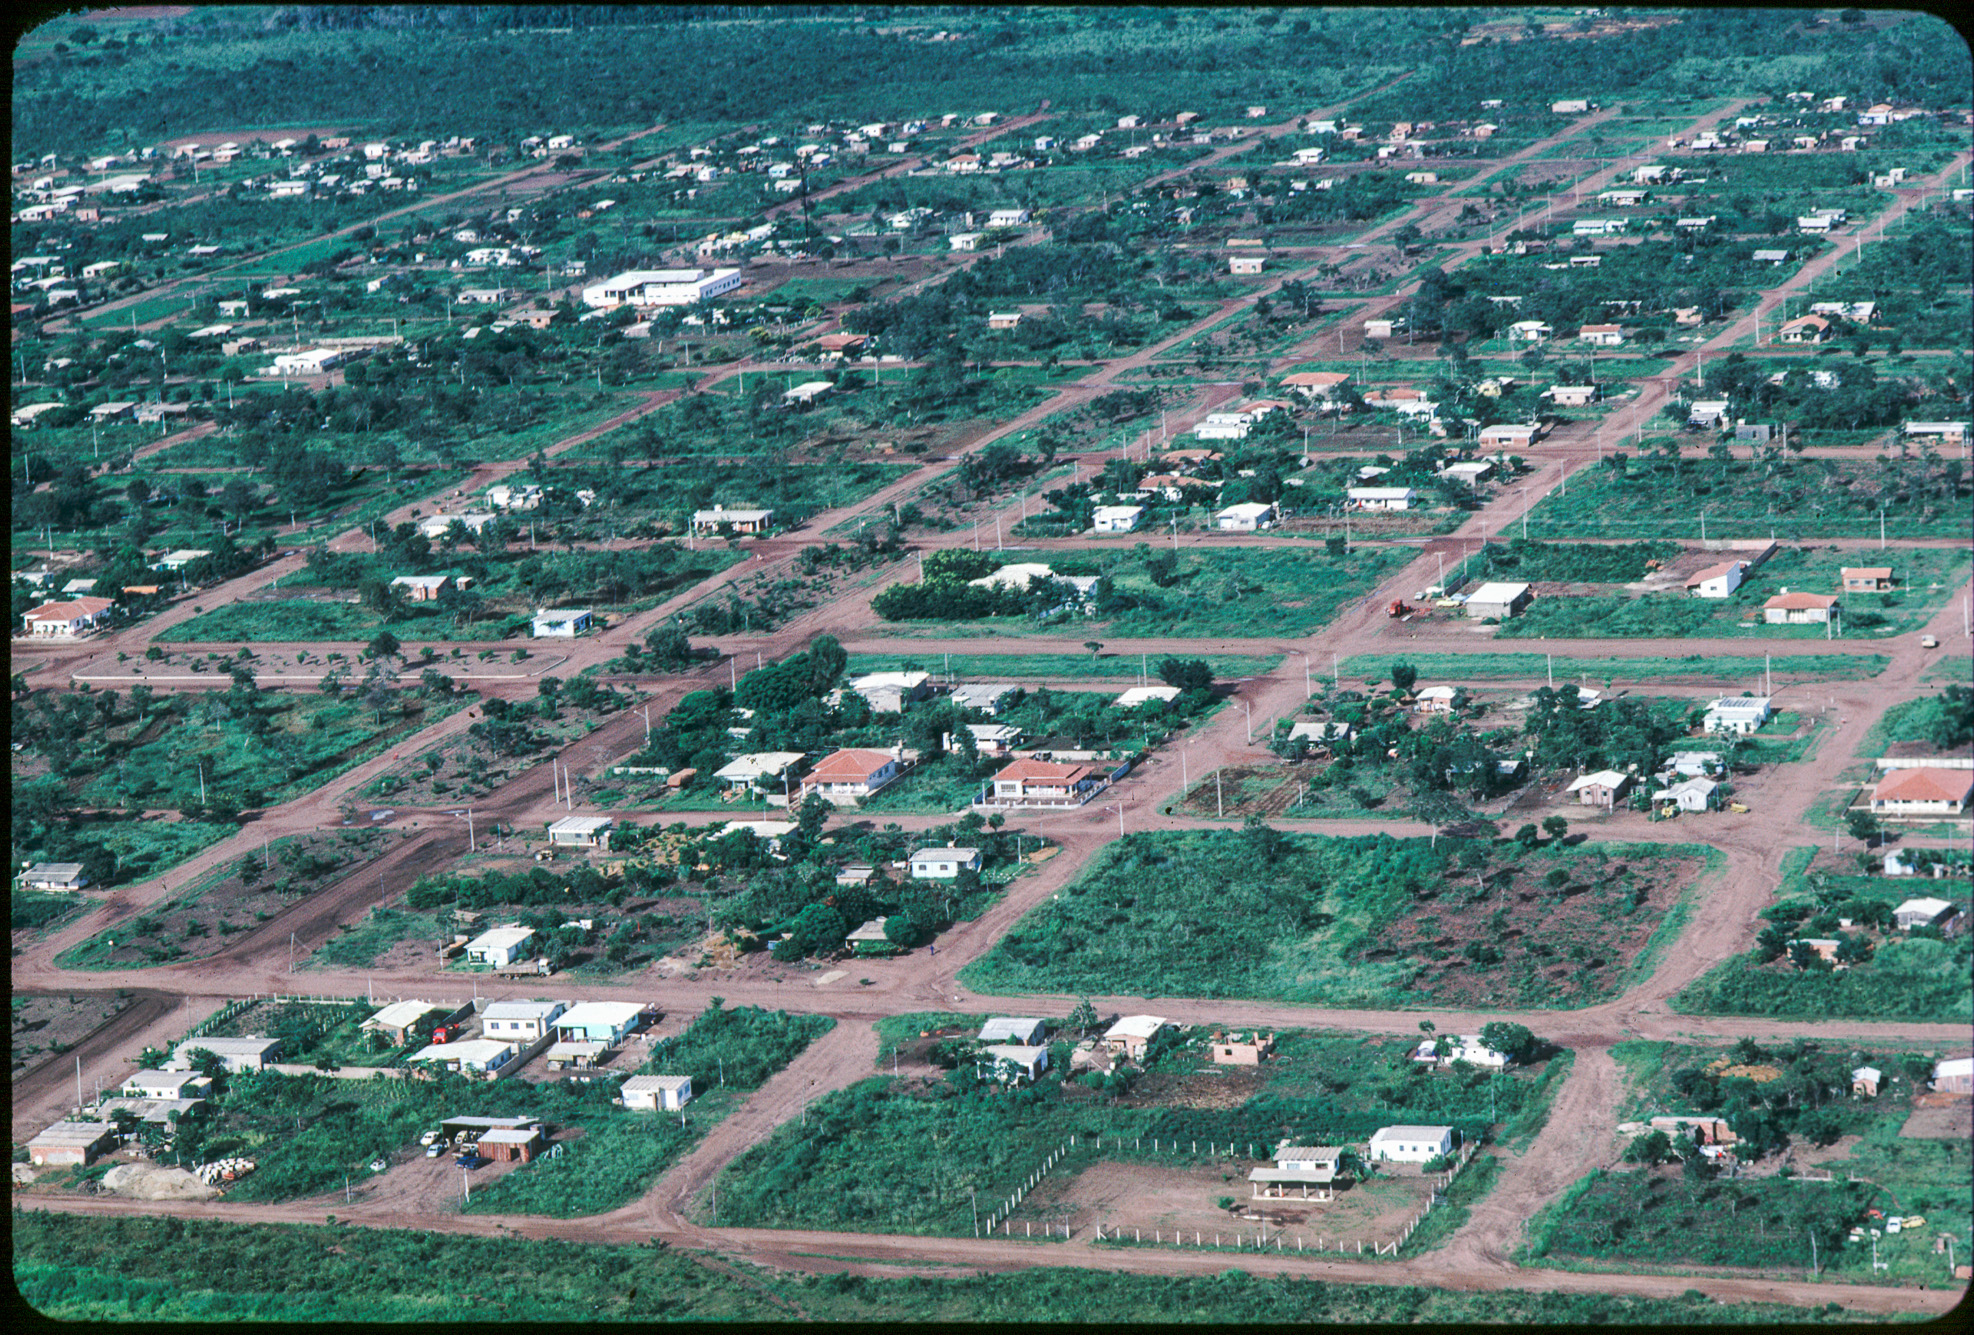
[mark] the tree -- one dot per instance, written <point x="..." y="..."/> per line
<point x="1555" y="826"/>
<point x="1513" y="1041"/>
<point x="668" y="646"/>
<point x="1094" y="646"/>
<point x="1654" y="1147"/>
<point x="1188" y="674"/>
<point x="1083" y="1019"/>
<point x="1863" y="825"/>
<point x="383" y="645"/>
<point x="1403" y="675"/>
<point x="1528" y="836"/>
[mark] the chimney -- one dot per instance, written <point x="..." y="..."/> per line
<point x="1785" y="588"/>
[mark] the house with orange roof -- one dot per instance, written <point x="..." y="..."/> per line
<point x="1922" y="792"/>
<point x="850" y="775"/>
<point x="1800" y="609"/>
<point x="1043" y="783"/>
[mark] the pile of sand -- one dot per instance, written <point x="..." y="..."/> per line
<point x="152" y="1182"/>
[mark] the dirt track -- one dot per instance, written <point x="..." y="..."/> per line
<point x="1581" y="1132"/>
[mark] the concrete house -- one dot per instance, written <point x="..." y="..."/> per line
<point x="1410" y="1144"/>
<point x="1601" y="335"/>
<point x="1922" y="792"/>
<point x="1116" y="518"/>
<point x="477" y="1056"/>
<point x="561" y="623"/>
<point x="1042" y="783"/>
<point x="735" y="520"/>
<point x="1865" y="1081"/>
<point x="1737" y="714"/>
<point x="1601" y="789"/>
<point x="1133" y="1033"/>
<point x="421" y="588"/>
<point x="166" y="1085"/>
<point x="1381" y="498"/>
<point x="1301" y="1172"/>
<point x="251" y="1053"/>
<point x="605" y="1022"/>
<point x="72" y="1143"/>
<point x="1530" y="331"/>
<point x="1443" y="1052"/>
<point x="1498" y="599"/>
<point x="1023" y="1030"/>
<point x="1246" y="264"/>
<point x="53" y="876"/>
<point x="1718" y="581"/>
<point x="987" y="697"/>
<point x="1795" y="609"/>
<point x="500" y="947"/>
<point x="1248" y="517"/>
<point x="520" y="1021"/>
<point x="1804" y="329"/>
<point x="851" y="774"/>
<point x="943" y="864"/>
<point x="1509" y="435"/>
<point x="890" y="692"/>
<point x="1955" y="1075"/>
<point x="744" y="772"/>
<point x="656" y="1093"/>
<point x="580" y="831"/>
<point x="1696" y="794"/>
<point x="1926" y="912"/>
<point x="67" y="620"/>
<point x="1236" y="1050"/>
<point x="401" y="1021"/>
<point x="1866" y="579"/>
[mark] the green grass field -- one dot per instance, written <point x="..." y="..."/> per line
<point x="1694" y="667"/>
<point x="1054" y="667"/>
<point x="1347" y="922"/>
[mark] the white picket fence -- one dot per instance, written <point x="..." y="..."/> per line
<point x="1000" y="1213"/>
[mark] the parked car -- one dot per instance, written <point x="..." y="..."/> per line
<point x="428" y="1138"/>
<point x="435" y="1149"/>
<point x="469" y="1160"/>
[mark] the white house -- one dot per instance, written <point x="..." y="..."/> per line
<point x="1461" y="1048"/>
<point x="661" y="287"/>
<point x="1225" y="426"/>
<point x="1736" y="713"/>
<point x="1246" y="518"/>
<point x="851" y="774"/>
<point x="53" y="876"/>
<point x="1529" y="331"/>
<point x="1601" y="788"/>
<point x="890" y="692"/>
<point x="476" y="1056"/>
<point x="1144" y="695"/>
<point x="1382" y="498"/>
<point x="943" y="864"/>
<point x="560" y="623"/>
<point x="520" y="1021"/>
<point x="1718" y="581"/>
<point x="1498" y="599"/>
<point x="501" y="946"/>
<point x="150" y="1084"/>
<point x="1116" y="518"/>
<point x="737" y="521"/>
<point x="1925" y="912"/>
<point x="580" y="831"/>
<point x="251" y="1053"/>
<point x="1694" y="794"/>
<point x="65" y="620"/>
<point x="1410" y="1144"/>
<point x="1007" y="1062"/>
<point x="606" y="1022"/>
<point x="1133" y="1033"/>
<point x="656" y="1093"/>
<point x="744" y="772"/>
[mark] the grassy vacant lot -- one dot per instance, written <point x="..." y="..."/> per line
<point x="1651" y="1218"/>
<point x="859" y="1158"/>
<point x="1224" y="592"/>
<point x="346" y="1124"/>
<point x="1348" y="922"/>
<point x="1693" y="667"/>
<point x="1927" y="719"/>
<point x="1799" y="498"/>
<point x="1907" y="977"/>
<point x="1926" y="577"/>
<point x="228" y="900"/>
<point x="79" y="1268"/>
<point x="1052" y="667"/>
<point x="39" y="911"/>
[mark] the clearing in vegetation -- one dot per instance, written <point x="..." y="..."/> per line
<point x="1880" y="972"/>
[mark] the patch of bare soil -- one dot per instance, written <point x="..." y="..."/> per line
<point x="1166" y="1202"/>
<point x="1941" y="1117"/>
<point x="52" y="1024"/>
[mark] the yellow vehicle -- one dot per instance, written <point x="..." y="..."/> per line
<point x="1737" y="807"/>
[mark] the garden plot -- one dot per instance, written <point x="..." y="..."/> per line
<point x="229" y="900"/>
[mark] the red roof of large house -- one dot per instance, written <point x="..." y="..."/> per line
<point x="1042" y="771"/>
<point x="1801" y="602"/>
<point x="1924" y="785"/>
<point x="69" y="611"/>
<point x="853" y="763"/>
